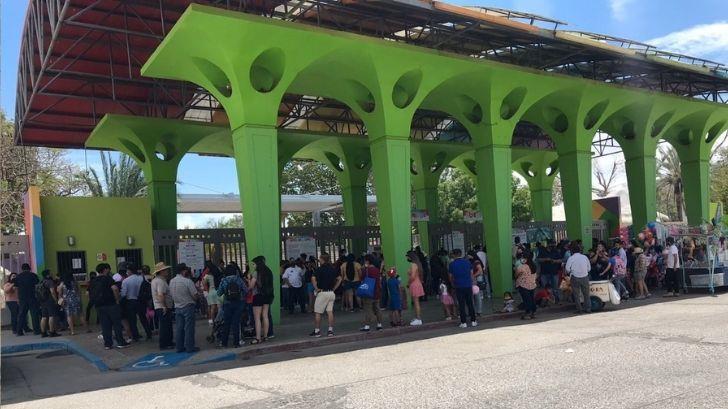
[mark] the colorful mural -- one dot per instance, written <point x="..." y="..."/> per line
<point x="34" y="228"/>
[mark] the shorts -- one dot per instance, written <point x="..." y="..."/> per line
<point x="213" y="298"/>
<point x="351" y="285"/>
<point x="48" y="309"/>
<point x="260" y="300"/>
<point x="324" y="302"/>
<point x="639" y="275"/>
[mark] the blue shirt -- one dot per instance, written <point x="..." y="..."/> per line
<point x="461" y="271"/>
<point x="227" y="280"/>
<point x="130" y="286"/>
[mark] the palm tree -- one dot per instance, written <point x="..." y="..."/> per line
<point x="123" y="178"/>
<point x="669" y="181"/>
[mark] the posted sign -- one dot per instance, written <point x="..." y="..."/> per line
<point x="295" y="246"/>
<point x="192" y="253"/>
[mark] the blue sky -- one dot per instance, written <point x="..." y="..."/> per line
<point x="697" y="27"/>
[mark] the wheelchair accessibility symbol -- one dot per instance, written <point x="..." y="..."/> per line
<point x="156" y="361"/>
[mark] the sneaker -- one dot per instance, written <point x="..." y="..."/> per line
<point x="670" y="294"/>
<point x="463" y="325"/>
<point x="315" y="333"/>
<point x="474" y="323"/>
<point x="415" y="322"/>
<point x="448" y="318"/>
<point x="107" y="348"/>
<point x="209" y="322"/>
<point x="124" y="345"/>
<point x="364" y="328"/>
<point x="330" y="333"/>
<point x="100" y="337"/>
<point x="271" y="336"/>
<point x="649" y="295"/>
<point x="379" y="327"/>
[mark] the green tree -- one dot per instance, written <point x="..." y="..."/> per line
<point x="719" y="177"/>
<point x="20" y="167"/>
<point x="123" y="178"/>
<point x="233" y="222"/>
<point x="671" y="200"/>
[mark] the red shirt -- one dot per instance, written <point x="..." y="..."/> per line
<point x="373" y="272"/>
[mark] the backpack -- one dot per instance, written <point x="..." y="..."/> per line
<point x="96" y="292"/>
<point x="145" y="292"/>
<point x="620" y="269"/>
<point x="232" y="291"/>
<point x="42" y="292"/>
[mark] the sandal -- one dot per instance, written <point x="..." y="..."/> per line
<point x="255" y="341"/>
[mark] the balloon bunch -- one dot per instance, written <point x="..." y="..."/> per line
<point x="646" y="238"/>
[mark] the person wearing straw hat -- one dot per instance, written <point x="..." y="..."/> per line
<point x="163" y="304"/>
<point x="640" y="272"/>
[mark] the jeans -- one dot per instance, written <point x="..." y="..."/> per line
<point x="232" y="312"/>
<point x="136" y="309"/>
<point x="184" y="331"/>
<point x="619" y="285"/>
<point x="553" y="281"/>
<point x="110" y="316"/>
<point x="478" y="302"/>
<point x="296" y="296"/>
<point x="465" y="299"/>
<point x="14" y="308"/>
<point x="672" y="280"/>
<point x="29" y="306"/>
<point x="529" y="301"/>
<point x="581" y="286"/>
<point x="165" y="327"/>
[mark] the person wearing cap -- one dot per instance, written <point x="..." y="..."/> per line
<point x="130" y="293"/>
<point x="163" y="304"/>
<point x="184" y="293"/>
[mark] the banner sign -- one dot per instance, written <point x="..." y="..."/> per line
<point x="420" y="215"/>
<point x="297" y="245"/>
<point x="471" y="216"/>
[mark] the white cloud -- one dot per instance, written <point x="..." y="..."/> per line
<point x="619" y="8"/>
<point x="709" y="41"/>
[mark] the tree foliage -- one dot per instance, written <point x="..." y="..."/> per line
<point x="122" y="178"/>
<point x="719" y="177"/>
<point x="20" y="167"/>
<point x="670" y="198"/>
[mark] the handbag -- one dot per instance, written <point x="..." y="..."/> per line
<point x="366" y="288"/>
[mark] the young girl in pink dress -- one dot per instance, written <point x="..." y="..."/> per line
<point x="415" y="285"/>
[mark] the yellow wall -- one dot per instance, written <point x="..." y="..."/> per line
<point x="99" y="225"/>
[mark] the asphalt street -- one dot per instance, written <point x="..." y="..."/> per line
<point x="661" y="355"/>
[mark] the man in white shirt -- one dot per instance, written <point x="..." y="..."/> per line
<point x="672" y="264"/>
<point x="184" y="295"/>
<point x="578" y="267"/>
<point x="293" y="278"/>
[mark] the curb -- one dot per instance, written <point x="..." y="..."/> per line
<point x="386" y="333"/>
<point x="58" y="345"/>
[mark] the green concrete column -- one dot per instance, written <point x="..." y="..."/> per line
<point x="494" y="201"/>
<point x="390" y="159"/>
<point x="541" y="199"/>
<point x="162" y="196"/>
<point x="254" y="146"/>
<point x="696" y="187"/>
<point x="426" y="198"/>
<point x="641" y="171"/>
<point x="355" y="212"/>
<point x="576" y="185"/>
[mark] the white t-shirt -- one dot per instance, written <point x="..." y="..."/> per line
<point x="578" y="265"/>
<point x="673" y="260"/>
<point x="294" y="275"/>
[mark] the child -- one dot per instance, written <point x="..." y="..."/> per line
<point x="619" y="271"/>
<point x="508" y="302"/>
<point x="447" y="303"/>
<point x="395" y="302"/>
<point x="545" y="297"/>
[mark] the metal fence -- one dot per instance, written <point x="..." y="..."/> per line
<point x="229" y="244"/>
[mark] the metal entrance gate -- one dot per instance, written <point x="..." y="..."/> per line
<point x="229" y="244"/>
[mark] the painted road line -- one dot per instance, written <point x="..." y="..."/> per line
<point x="62" y="345"/>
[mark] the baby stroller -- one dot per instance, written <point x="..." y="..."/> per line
<point x="217" y="324"/>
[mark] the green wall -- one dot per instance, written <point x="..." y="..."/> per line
<point x="99" y="225"/>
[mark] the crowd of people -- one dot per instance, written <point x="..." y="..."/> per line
<point x="237" y="303"/>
